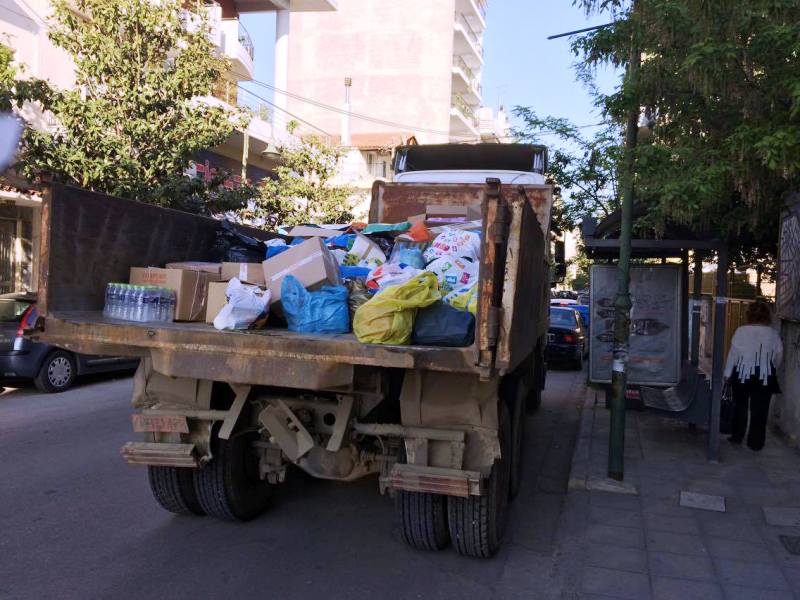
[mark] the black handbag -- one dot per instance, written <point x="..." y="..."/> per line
<point x="726" y="411"/>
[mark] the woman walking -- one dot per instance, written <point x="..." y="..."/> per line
<point x="755" y="355"/>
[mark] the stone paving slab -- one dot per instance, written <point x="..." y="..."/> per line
<point x="671" y="540"/>
<point x="702" y="501"/>
<point x="782" y="516"/>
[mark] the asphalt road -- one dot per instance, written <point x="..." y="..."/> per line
<point x="77" y="522"/>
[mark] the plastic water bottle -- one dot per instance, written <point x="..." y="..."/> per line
<point x="147" y="303"/>
<point x="119" y="300"/>
<point x="124" y="307"/>
<point x="138" y="303"/>
<point x="155" y="311"/>
<point x="114" y="300"/>
<point x="172" y="301"/>
<point x="109" y="294"/>
<point x="163" y="304"/>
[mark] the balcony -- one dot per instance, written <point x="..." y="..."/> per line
<point x="467" y="42"/>
<point x="463" y="119"/>
<point x="250" y="6"/>
<point x="237" y="47"/>
<point x="474" y="11"/>
<point x="465" y="82"/>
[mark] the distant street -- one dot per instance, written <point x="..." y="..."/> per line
<point x="77" y="522"/>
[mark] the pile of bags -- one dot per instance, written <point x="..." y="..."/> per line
<point x="391" y="283"/>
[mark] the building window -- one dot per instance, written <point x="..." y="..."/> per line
<point x="377" y="165"/>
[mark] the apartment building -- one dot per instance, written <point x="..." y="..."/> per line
<point x="382" y="73"/>
<point x="250" y="153"/>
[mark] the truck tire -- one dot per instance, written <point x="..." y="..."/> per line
<point x="423" y="519"/>
<point x="57" y="373"/>
<point x="173" y="489"/>
<point x="477" y="523"/>
<point x="229" y="487"/>
<point x="518" y="413"/>
<point x="536" y="379"/>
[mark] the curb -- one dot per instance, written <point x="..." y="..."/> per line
<point x="579" y="468"/>
<point x="581" y="477"/>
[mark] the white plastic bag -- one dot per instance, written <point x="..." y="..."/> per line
<point x="454" y="242"/>
<point x="390" y="274"/>
<point x="453" y="272"/>
<point x="248" y="306"/>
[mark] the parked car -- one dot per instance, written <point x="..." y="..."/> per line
<point x="565" y="295"/>
<point x="51" y="369"/>
<point x="566" y="337"/>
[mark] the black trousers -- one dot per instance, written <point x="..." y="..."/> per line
<point x="756" y="396"/>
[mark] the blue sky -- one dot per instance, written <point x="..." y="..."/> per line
<point x="521" y="67"/>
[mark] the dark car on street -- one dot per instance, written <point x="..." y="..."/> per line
<point x="566" y="338"/>
<point x="51" y="369"/>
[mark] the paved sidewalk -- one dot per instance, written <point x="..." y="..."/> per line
<point x="641" y="543"/>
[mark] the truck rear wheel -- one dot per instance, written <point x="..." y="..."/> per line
<point x="229" y="487"/>
<point x="423" y="519"/>
<point x="535" y="380"/>
<point x="173" y="489"/>
<point x="477" y="523"/>
<point x="517" y="410"/>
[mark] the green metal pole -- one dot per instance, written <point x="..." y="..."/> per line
<point x="622" y="302"/>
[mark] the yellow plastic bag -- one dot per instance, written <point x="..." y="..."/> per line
<point x="464" y="298"/>
<point x="388" y="317"/>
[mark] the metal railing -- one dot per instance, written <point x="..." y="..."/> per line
<point x="471" y="78"/>
<point x="473" y="37"/>
<point x="465" y="109"/>
<point x="253" y="104"/>
<point x="245" y="40"/>
<point x="481" y="4"/>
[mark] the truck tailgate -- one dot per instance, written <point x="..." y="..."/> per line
<point x="267" y="357"/>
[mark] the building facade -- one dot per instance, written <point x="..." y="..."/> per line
<point x="376" y="73"/>
<point x="249" y="153"/>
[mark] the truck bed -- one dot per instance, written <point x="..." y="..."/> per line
<point x="90" y="239"/>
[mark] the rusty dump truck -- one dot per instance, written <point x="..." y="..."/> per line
<point x="222" y="416"/>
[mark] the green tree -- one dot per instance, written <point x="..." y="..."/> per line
<point x="583" y="169"/>
<point x="135" y="119"/>
<point x="721" y="81"/>
<point x="302" y="191"/>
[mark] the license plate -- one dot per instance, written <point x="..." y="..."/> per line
<point x="160" y="423"/>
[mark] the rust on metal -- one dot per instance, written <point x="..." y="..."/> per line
<point x="159" y="454"/>
<point x="159" y="423"/>
<point x="434" y="480"/>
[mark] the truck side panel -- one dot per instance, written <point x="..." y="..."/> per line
<point x="525" y="288"/>
<point x="90" y="239"/>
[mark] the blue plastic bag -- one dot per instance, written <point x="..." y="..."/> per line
<point x="354" y="272"/>
<point x="323" y="311"/>
<point x="344" y="240"/>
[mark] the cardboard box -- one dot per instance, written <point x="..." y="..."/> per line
<point x="308" y="231"/>
<point x="445" y="213"/>
<point x="216" y="299"/>
<point x="311" y="262"/>
<point x="244" y="272"/>
<point x="193" y="265"/>
<point x="365" y="253"/>
<point x="191" y="288"/>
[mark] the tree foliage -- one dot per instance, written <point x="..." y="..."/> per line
<point x="133" y="122"/>
<point x="721" y="81"/>
<point x="302" y="192"/>
<point x="582" y="168"/>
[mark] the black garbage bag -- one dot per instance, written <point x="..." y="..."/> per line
<point x="442" y="325"/>
<point x="234" y="246"/>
